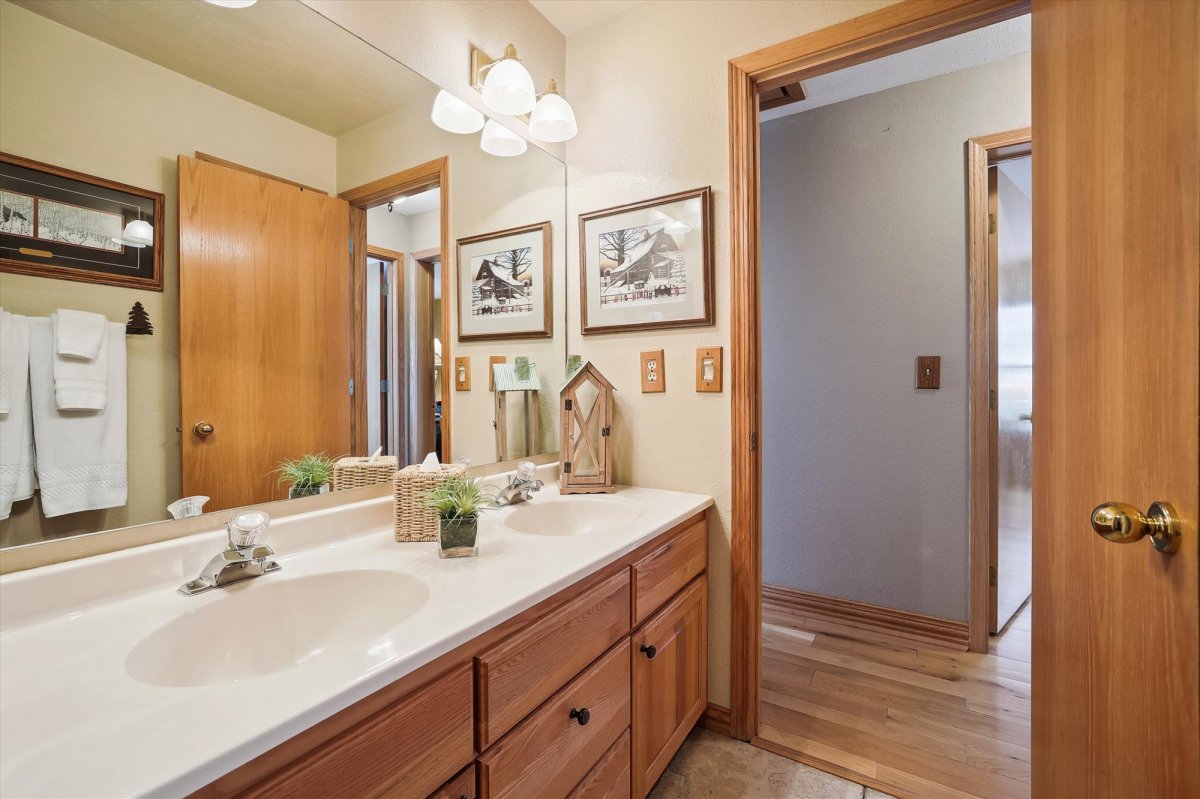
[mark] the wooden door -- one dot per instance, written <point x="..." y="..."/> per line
<point x="1116" y="637"/>
<point x="670" y="682"/>
<point x="264" y="314"/>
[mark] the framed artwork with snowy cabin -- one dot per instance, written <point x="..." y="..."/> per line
<point x="504" y="284"/>
<point x="647" y="265"/>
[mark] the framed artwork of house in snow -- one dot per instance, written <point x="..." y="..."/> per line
<point x="504" y="284"/>
<point x="647" y="265"/>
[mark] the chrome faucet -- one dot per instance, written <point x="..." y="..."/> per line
<point x="244" y="558"/>
<point x="520" y="487"/>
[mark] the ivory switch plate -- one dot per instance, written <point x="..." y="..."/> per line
<point x="929" y="371"/>
<point x="654" y="372"/>
<point x="462" y="373"/>
<point x="708" y="370"/>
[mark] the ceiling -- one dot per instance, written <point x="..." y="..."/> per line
<point x="572" y="16"/>
<point x="966" y="50"/>
<point x="284" y="57"/>
<point x="421" y="202"/>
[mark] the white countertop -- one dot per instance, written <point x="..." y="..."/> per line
<point x="74" y="723"/>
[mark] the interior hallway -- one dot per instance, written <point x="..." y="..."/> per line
<point x="920" y="722"/>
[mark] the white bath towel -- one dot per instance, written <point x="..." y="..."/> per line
<point x="16" y="422"/>
<point x="79" y="334"/>
<point x="82" y="456"/>
<point x="80" y="383"/>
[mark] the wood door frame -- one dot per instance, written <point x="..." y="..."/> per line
<point x="378" y="192"/>
<point x="983" y="152"/>
<point x="890" y="30"/>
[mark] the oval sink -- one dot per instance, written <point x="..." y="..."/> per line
<point x="273" y="623"/>
<point x="571" y="516"/>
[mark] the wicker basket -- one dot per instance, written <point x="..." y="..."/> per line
<point x="359" y="472"/>
<point x="414" y="520"/>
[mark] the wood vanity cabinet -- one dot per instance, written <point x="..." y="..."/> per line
<point x="586" y="695"/>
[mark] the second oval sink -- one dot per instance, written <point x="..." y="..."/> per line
<point x="273" y="623"/>
<point x="571" y="516"/>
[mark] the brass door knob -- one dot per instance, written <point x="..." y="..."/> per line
<point x="202" y="429"/>
<point x="1124" y="524"/>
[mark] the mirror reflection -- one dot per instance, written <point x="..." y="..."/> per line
<point x="244" y="246"/>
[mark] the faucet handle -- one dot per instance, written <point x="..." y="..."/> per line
<point x="525" y="471"/>
<point x="248" y="529"/>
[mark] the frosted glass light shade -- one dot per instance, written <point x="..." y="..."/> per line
<point x="508" y="87"/>
<point x="138" y="233"/>
<point x="499" y="140"/>
<point x="552" y="119"/>
<point x="455" y="116"/>
<point x="232" y="3"/>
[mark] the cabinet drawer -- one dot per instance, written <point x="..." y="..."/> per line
<point x="659" y="576"/>
<point x="550" y="752"/>
<point x="517" y="675"/>
<point x="608" y="779"/>
<point x="461" y="787"/>
<point x="670" y="682"/>
<point x="404" y="751"/>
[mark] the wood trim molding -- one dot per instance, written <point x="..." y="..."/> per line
<point x="212" y="159"/>
<point x="410" y="181"/>
<point x="716" y="719"/>
<point x="916" y="627"/>
<point x="890" y="30"/>
<point x="980" y="151"/>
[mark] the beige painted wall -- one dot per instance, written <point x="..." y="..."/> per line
<point x="650" y="92"/>
<point x="434" y="38"/>
<point x="63" y="103"/>
<point x="486" y="194"/>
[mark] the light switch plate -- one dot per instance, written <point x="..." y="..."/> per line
<point x="654" y="372"/>
<point x="708" y="369"/>
<point x="462" y="373"/>
<point x="929" y="371"/>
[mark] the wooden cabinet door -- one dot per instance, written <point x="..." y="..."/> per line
<point x="1116" y="165"/>
<point x="670" y="682"/>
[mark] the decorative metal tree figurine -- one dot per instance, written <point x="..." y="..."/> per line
<point x="139" y="322"/>
<point x="586" y="403"/>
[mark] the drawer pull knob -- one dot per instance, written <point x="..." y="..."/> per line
<point x="649" y="650"/>
<point x="582" y="715"/>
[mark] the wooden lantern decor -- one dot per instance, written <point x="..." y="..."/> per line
<point x="586" y="403"/>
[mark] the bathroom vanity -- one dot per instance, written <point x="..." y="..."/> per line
<point x="568" y="659"/>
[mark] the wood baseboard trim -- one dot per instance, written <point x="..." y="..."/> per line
<point x="716" y="719"/>
<point x="915" y="627"/>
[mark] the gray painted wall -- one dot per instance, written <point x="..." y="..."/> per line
<point x="865" y="267"/>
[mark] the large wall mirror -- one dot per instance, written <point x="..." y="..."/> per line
<point x="326" y="271"/>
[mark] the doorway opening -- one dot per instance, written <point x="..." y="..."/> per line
<point x="856" y="650"/>
<point x="399" y="235"/>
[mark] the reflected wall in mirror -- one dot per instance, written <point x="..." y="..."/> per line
<point x="309" y="261"/>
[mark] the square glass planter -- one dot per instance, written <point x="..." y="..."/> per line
<point x="457" y="537"/>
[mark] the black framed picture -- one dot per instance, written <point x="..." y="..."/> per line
<point x="66" y="225"/>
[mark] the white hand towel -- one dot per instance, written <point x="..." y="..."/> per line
<point x="79" y="334"/>
<point x="16" y="422"/>
<point x="82" y="456"/>
<point x="79" y="384"/>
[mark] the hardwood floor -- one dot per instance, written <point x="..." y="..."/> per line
<point x="914" y="721"/>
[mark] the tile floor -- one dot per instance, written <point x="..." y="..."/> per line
<point x="711" y="766"/>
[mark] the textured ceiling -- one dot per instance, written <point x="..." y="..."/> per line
<point x="284" y="57"/>
<point x="993" y="43"/>
<point x="571" y="16"/>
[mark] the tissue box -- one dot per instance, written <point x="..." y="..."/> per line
<point x="414" y="520"/>
<point x="358" y="472"/>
